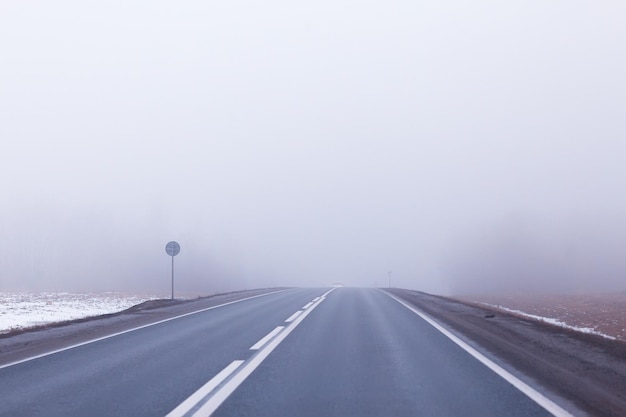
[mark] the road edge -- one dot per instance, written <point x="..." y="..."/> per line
<point x="543" y="401"/>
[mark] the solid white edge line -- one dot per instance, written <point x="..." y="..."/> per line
<point x="307" y="305"/>
<point x="227" y="389"/>
<point x="526" y="389"/>
<point x="293" y="316"/>
<point x="258" y="345"/>
<point x="132" y="330"/>
<point x="184" y="407"/>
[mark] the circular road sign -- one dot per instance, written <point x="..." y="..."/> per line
<point x="172" y="248"/>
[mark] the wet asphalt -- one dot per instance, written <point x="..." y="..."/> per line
<point x="357" y="353"/>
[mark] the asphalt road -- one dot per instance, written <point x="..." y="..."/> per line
<point x="316" y="352"/>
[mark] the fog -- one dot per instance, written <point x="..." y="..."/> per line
<point x="464" y="146"/>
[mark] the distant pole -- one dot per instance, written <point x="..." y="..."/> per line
<point x="389" y="274"/>
<point x="172" y="277"/>
<point x="172" y="249"/>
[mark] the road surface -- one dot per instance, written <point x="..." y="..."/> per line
<point x="298" y="352"/>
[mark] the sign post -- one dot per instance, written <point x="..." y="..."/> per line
<point x="172" y="249"/>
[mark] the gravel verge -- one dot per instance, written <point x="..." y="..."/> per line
<point x="583" y="370"/>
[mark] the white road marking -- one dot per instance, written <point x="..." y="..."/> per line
<point x="293" y="316"/>
<point x="530" y="392"/>
<point x="308" y="305"/>
<point x="315" y="299"/>
<point x="186" y="406"/>
<point x="258" y="345"/>
<point x="231" y="385"/>
<point x="267" y="345"/>
<point x="132" y="330"/>
<point x="326" y="293"/>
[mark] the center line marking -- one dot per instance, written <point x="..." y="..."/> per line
<point x="186" y="406"/>
<point x="307" y="305"/>
<point x="234" y="374"/>
<point x="231" y="385"/>
<point x="258" y="345"/>
<point x="293" y="316"/>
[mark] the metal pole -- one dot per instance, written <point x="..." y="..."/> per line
<point x="172" y="277"/>
<point x="389" y="273"/>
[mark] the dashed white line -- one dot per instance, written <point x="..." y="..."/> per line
<point x="293" y="316"/>
<point x="231" y="385"/>
<point x="258" y="345"/>
<point x="308" y="305"/>
<point x="530" y="392"/>
<point x="205" y="390"/>
<point x="228" y="382"/>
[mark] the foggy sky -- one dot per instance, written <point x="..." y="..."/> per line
<point x="465" y="146"/>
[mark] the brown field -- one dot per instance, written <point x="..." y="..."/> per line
<point x="604" y="313"/>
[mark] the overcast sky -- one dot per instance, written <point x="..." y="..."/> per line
<point x="465" y="146"/>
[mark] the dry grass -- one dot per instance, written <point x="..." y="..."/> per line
<point x="605" y="313"/>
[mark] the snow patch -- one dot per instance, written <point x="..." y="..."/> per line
<point x="28" y="309"/>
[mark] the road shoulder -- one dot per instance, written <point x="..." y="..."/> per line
<point x="29" y="343"/>
<point x="588" y="370"/>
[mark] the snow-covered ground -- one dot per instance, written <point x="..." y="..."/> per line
<point x="27" y="309"/>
